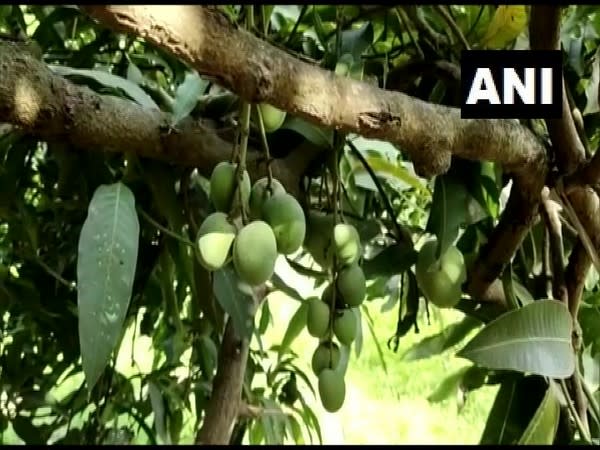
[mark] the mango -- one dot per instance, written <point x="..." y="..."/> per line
<point x="214" y="239"/>
<point x="255" y="253"/>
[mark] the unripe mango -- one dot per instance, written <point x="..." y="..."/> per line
<point x="255" y="253"/>
<point x="286" y="217"/>
<point x="214" y="240"/>
<point x="317" y="319"/>
<point x="332" y="390"/>
<point x="326" y="356"/>
<point x="259" y="194"/>
<point x="351" y="285"/>
<point x="441" y="282"/>
<point x="223" y="186"/>
<point x="346" y="244"/>
<point x="345" y="326"/>
<point x="272" y="117"/>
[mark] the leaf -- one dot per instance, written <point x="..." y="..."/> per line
<point x="371" y="326"/>
<point x="106" y="263"/>
<point x="390" y="261"/>
<point x="401" y="177"/>
<point x="436" y="344"/>
<point x="543" y="425"/>
<point x="295" y="327"/>
<point x="131" y="89"/>
<point x="234" y="302"/>
<point x="158" y="407"/>
<point x="448" y="386"/>
<point x="535" y="338"/>
<point x="319" y="136"/>
<point x="516" y="403"/>
<point x="358" y="341"/>
<point x="448" y="210"/>
<point x="187" y="96"/>
<point x="506" y="25"/>
<point x="591" y="91"/>
<point x="355" y="41"/>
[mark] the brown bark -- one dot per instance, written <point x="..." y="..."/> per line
<point x="52" y="108"/>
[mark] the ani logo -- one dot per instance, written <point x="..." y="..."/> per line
<point x="511" y="84"/>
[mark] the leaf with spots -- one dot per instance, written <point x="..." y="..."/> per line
<point x="108" y="250"/>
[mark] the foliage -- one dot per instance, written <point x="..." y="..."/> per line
<point x="159" y="290"/>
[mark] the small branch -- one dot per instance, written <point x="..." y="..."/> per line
<point x="163" y="229"/>
<point x="584" y="434"/>
<point x="71" y="285"/>
<point x="590" y="398"/>
<point x="442" y="11"/>
<point x="550" y="212"/>
<point x="437" y="39"/>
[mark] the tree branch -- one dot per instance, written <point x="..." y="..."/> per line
<point x="544" y="34"/>
<point x="53" y="109"/>
<point x="429" y="134"/>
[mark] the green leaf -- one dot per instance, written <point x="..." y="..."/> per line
<point x="390" y="261"/>
<point x="295" y="327"/>
<point x="535" y="338"/>
<point x="543" y="425"/>
<point x="131" y="89"/>
<point x="106" y="263"/>
<point x="158" y="407"/>
<point x="448" y="210"/>
<point x="516" y="403"/>
<point x="319" y="136"/>
<point x="187" y="96"/>
<point x="371" y="326"/>
<point x="448" y="386"/>
<point x="234" y="302"/>
<point x="591" y="92"/>
<point x="436" y="344"/>
<point x="355" y="41"/>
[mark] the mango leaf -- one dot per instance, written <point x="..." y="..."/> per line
<point x="508" y="22"/>
<point x="187" y="95"/>
<point x="390" y="261"/>
<point x="448" y="210"/>
<point x="436" y="344"/>
<point x="131" y="89"/>
<point x="516" y="403"/>
<point x="295" y="327"/>
<point x="355" y="41"/>
<point x="106" y="263"/>
<point x="543" y="425"/>
<point x="401" y="177"/>
<point x="448" y="386"/>
<point x="158" y="407"/>
<point x="318" y="136"/>
<point x="591" y="91"/>
<point x="535" y="338"/>
<point x="234" y="302"/>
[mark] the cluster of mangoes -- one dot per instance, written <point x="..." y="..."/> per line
<point x="333" y="315"/>
<point x="277" y="225"/>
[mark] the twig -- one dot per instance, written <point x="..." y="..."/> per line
<point x="582" y="430"/>
<point x="453" y="26"/>
<point x="590" y="398"/>
<point x="549" y="211"/>
<point x="165" y="230"/>
<point x="400" y="233"/>
<point x="69" y="284"/>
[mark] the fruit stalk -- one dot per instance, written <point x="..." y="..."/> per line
<point x="265" y="144"/>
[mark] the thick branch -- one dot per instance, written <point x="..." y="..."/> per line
<point x="429" y="134"/>
<point x="54" y="109"/>
<point x="544" y="34"/>
<point x="259" y="72"/>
